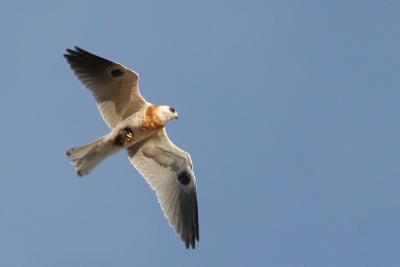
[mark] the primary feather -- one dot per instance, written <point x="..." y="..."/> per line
<point x="169" y="172"/>
<point x="115" y="87"/>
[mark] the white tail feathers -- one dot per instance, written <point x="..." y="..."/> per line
<point x="85" y="158"/>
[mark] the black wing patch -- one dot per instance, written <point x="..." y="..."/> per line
<point x="117" y="73"/>
<point x="184" y="178"/>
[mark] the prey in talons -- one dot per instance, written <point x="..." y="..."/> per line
<point x="123" y="137"/>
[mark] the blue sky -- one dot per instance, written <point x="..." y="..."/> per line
<point x="290" y="110"/>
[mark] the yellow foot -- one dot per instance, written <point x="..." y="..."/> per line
<point x="128" y="136"/>
<point x="124" y="137"/>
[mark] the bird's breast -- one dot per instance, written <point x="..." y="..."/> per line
<point x="151" y="121"/>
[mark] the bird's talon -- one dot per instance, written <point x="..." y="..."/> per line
<point x="129" y="136"/>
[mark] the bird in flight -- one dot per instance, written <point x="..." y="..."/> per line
<point x="138" y="127"/>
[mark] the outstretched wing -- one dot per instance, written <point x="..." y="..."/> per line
<point x="169" y="171"/>
<point x="114" y="86"/>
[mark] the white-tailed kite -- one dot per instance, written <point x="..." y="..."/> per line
<point x="139" y="127"/>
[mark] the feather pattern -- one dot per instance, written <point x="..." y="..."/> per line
<point x="161" y="163"/>
<point x="114" y="86"/>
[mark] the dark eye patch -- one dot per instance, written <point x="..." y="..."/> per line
<point x="172" y="109"/>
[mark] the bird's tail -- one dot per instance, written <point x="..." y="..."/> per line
<point x="85" y="158"/>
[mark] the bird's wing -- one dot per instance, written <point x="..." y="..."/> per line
<point x="114" y="86"/>
<point x="169" y="171"/>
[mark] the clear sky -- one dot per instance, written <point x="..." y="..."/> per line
<point x="290" y="110"/>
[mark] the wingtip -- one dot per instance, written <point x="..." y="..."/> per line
<point x="81" y="51"/>
<point x="75" y="51"/>
<point x="190" y="242"/>
<point x="80" y="173"/>
<point x="70" y="53"/>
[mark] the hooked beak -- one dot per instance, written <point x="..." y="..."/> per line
<point x="176" y="117"/>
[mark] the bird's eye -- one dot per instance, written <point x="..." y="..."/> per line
<point x="172" y="110"/>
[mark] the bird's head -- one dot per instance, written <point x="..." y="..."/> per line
<point x="167" y="113"/>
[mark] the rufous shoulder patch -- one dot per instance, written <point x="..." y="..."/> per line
<point x="151" y="120"/>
